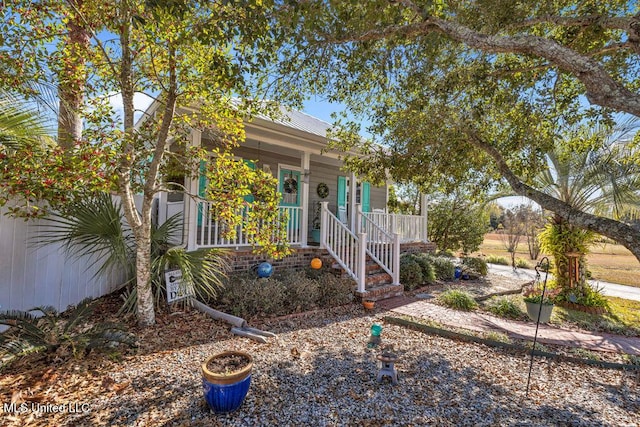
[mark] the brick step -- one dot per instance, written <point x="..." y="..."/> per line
<point x="378" y="279"/>
<point x="381" y="292"/>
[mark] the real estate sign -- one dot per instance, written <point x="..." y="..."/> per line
<point x="175" y="289"/>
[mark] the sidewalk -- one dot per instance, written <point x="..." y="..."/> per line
<point x="480" y="322"/>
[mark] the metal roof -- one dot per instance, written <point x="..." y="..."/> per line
<point x="299" y="120"/>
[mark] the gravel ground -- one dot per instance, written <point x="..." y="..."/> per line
<point x="320" y="372"/>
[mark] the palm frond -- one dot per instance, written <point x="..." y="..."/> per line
<point x="79" y="315"/>
<point x="20" y="125"/>
<point x="95" y="228"/>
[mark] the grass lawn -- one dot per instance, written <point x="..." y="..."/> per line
<point x="610" y="263"/>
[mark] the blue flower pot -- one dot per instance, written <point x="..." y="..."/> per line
<point x="225" y="392"/>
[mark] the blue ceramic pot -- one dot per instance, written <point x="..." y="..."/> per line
<point x="226" y="392"/>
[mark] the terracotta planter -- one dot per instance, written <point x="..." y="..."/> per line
<point x="533" y="308"/>
<point x="225" y="392"/>
<point x="368" y="304"/>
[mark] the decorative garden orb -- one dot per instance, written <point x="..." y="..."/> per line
<point x="265" y="269"/>
<point x="316" y="263"/>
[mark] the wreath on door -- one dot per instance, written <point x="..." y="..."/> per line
<point x="290" y="185"/>
<point x="322" y="190"/>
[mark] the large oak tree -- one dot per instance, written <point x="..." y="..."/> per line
<point x="472" y="91"/>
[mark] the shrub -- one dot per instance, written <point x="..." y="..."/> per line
<point x="460" y="300"/>
<point x="521" y="263"/>
<point x="443" y="267"/>
<point x="302" y="291"/>
<point x="476" y="264"/>
<point x="500" y="260"/>
<point x="428" y="273"/>
<point x="586" y="295"/>
<point x="51" y="332"/>
<point x="410" y="272"/>
<point x="245" y="295"/>
<point x="445" y="254"/>
<point x="504" y="307"/>
<point x="335" y="291"/>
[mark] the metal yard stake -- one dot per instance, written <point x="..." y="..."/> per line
<point x="535" y="336"/>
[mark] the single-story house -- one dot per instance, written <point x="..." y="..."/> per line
<point x="332" y="213"/>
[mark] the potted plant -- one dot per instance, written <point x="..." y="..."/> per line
<point x="368" y="304"/>
<point x="539" y="303"/>
<point x="226" y="378"/>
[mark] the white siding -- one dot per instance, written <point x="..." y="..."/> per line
<point x="32" y="275"/>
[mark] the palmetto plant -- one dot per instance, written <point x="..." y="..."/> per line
<point x="19" y="124"/>
<point x="96" y="228"/>
<point x="590" y="176"/>
<point x="43" y="329"/>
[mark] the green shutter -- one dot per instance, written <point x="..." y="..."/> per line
<point x="202" y="189"/>
<point x="202" y="182"/>
<point x="342" y="191"/>
<point x="364" y="198"/>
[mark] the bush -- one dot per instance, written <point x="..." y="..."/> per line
<point x="445" y="254"/>
<point x="48" y="331"/>
<point x="410" y="272"/>
<point x="500" y="260"/>
<point x="476" y="264"/>
<point x="504" y="307"/>
<point x="586" y="295"/>
<point x="335" y="291"/>
<point x="460" y="300"/>
<point x="443" y="267"/>
<point x="521" y="263"/>
<point x="247" y="296"/>
<point x="428" y="273"/>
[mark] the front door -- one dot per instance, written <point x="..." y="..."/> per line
<point x="290" y="187"/>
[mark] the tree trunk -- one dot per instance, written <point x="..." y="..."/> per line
<point x="145" y="304"/>
<point x="622" y="233"/>
<point x="72" y="80"/>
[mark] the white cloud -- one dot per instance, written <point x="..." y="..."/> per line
<point x="141" y="102"/>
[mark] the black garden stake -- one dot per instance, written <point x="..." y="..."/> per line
<point x="535" y="336"/>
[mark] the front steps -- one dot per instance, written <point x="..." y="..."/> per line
<point x="378" y="283"/>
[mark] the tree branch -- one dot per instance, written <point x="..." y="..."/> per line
<point x="618" y="231"/>
<point x="601" y="87"/>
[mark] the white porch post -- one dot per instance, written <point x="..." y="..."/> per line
<point x="304" y="224"/>
<point x="362" y="261"/>
<point x="162" y="207"/>
<point x="358" y="215"/>
<point x="352" y="201"/>
<point x="191" y="209"/>
<point x="396" y="259"/>
<point x="323" y="224"/>
<point x="423" y="210"/>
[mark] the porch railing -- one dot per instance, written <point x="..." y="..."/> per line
<point x="211" y="230"/>
<point x="410" y="228"/>
<point x="347" y="248"/>
<point x="383" y="247"/>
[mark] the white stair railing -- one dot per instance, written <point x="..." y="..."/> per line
<point x="383" y="247"/>
<point x="348" y="249"/>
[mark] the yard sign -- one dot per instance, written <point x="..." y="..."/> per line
<point x="175" y="290"/>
